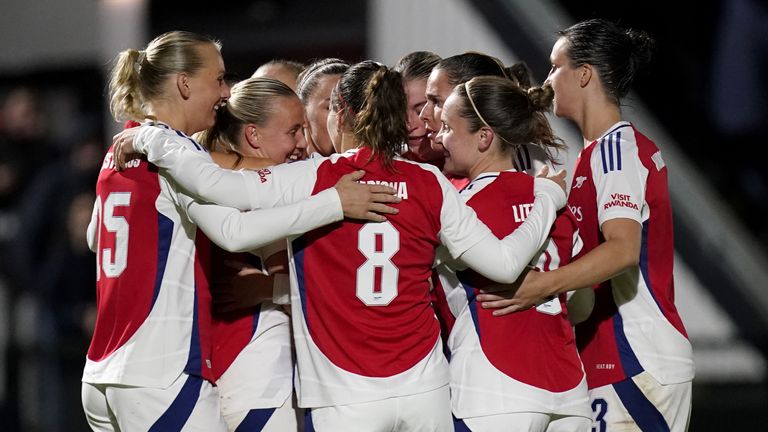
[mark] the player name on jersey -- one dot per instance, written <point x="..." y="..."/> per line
<point x="400" y="187"/>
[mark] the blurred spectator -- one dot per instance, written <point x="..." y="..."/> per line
<point x="54" y="273"/>
<point x="22" y="148"/>
<point x="739" y="93"/>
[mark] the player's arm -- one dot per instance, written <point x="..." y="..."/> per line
<point x="93" y="225"/>
<point x="192" y="168"/>
<point x="620" y="226"/>
<point x="237" y="231"/>
<point x="619" y="252"/>
<point x="233" y="161"/>
<point x="501" y="260"/>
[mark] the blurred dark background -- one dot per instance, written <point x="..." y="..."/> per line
<point x="705" y="87"/>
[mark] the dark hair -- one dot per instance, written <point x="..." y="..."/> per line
<point x="417" y="65"/>
<point x="515" y="114"/>
<point x="520" y="73"/>
<point x="308" y="78"/>
<point x="463" y="67"/>
<point x="371" y="98"/>
<point x="615" y="53"/>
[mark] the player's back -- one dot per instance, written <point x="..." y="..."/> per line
<point x="364" y="289"/>
<point x="153" y="301"/>
<point x="496" y="363"/>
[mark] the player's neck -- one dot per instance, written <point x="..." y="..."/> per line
<point x="598" y="120"/>
<point x="348" y="142"/>
<point x="498" y="163"/>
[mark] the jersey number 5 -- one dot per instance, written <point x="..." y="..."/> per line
<point x="377" y="277"/>
<point x="113" y="262"/>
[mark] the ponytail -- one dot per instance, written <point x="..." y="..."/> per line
<point x="125" y="102"/>
<point x="371" y="99"/>
<point x="381" y="123"/>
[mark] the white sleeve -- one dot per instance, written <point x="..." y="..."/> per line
<point x="237" y="231"/>
<point x="504" y="260"/>
<point x="90" y="234"/>
<point x="620" y="180"/>
<point x="192" y="168"/>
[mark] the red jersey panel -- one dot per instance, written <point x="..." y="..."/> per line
<point x="634" y="325"/>
<point x="383" y="322"/>
<point x="516" y="344"/>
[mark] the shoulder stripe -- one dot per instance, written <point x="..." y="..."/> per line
<point x="179" y="133"/>
<point x="194" y="143"/>
<point x="523" y="160"/>
<point x="610" y="151"/>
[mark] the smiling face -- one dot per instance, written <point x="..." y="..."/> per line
<point x="460" y="146"/>
<point x="317" y="114"/>
<point x="281" y="137"/>
<point x="208" y="90"/>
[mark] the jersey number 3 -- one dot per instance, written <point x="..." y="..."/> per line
<point x="112" y="261"/>
<point x="377" y="276"/>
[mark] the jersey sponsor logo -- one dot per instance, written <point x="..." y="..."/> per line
<point x="400" y="187"/>
<point x="620" y="200"/>
<point x="610" y="152"/>
<point x="263" y="174"/>
<point x="658" y="161"/>
<point x="579" y="182"/>
<point x="576" y="212"/>
<point x="521" y="211"/>
<point x="605" y="366"/>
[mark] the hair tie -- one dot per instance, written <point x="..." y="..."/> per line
<point x="474" y="107"/>
<point x="140" y="60"/>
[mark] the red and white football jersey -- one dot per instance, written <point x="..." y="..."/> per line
<point x="153" y="301"/>
<point x="152" y="297"/>
<point x="363" y="324"/>
<point x="634" y="325"/>
<point x="522" y="362"/>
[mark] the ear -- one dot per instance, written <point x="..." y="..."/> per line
<point x="252" y="136"/>
<point x="585" y="75"/>
<point x="182" y="83"/>
<point x="485" y="138"/>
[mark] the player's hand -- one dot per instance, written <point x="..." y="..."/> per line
<point x="558" y="177"/>
<point x="362" y="201"/>
<point x="122" y="148"/>
<point x="528" y="291"/>
<point x="248" y="288"/>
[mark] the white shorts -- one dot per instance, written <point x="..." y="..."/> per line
<point x="284" y="418"/>
<point x="641" y="403"/>
<point x="189" y="404"/>
<point x="523" y="422"/>
<point x="429" y="411"/>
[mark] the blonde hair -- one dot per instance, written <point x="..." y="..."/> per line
<point x="251" y="101"/>
<point x="138" y="76"/>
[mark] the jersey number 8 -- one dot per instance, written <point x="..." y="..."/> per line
<point x="377" y="276"/>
